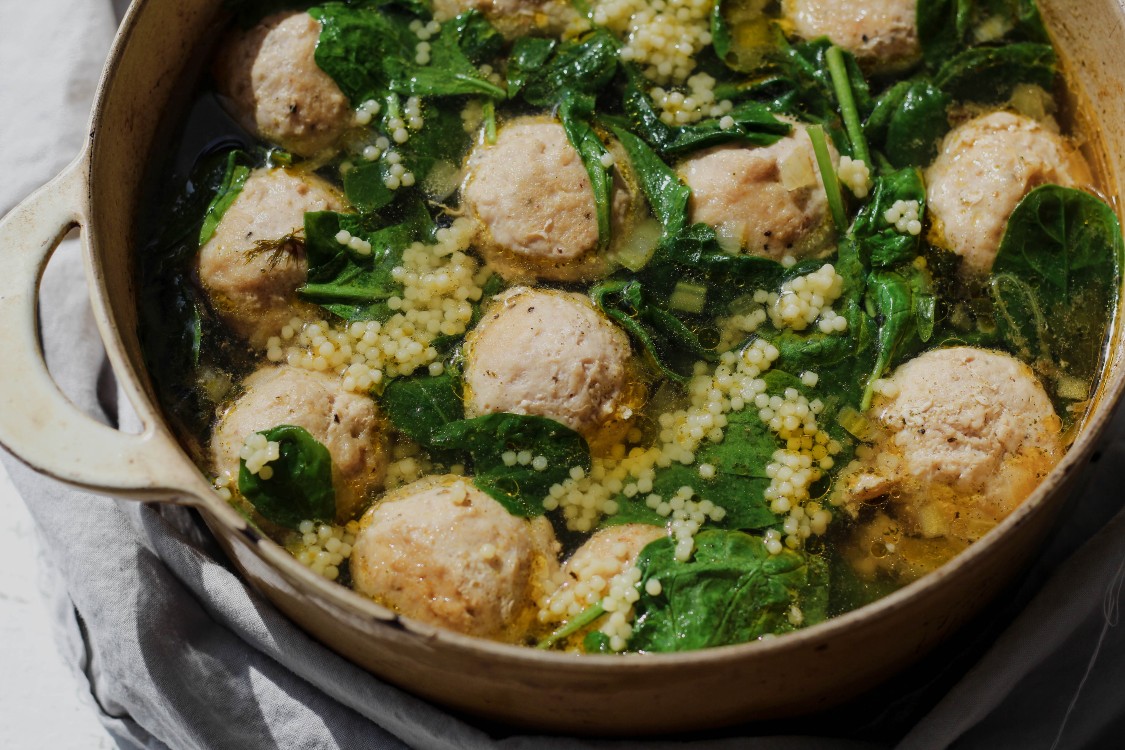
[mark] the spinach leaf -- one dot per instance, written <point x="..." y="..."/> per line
<point x="518" y="488"/>
<point x="903" y="303"/>
<point x="989" y="74"/>
<point x="740" y="480"/>
<point x="842" y="360"/>
<point x="478" y="40"/>
<point x="365" y="186"/>
<point x="420" y="407"/>
<point x="353" y="286"/>
<point x="908" y="122"/>
<point x="666" y="194"/>
<point x="802" y="85"/>
<point x="740" y="496"/>
<point x="752" y="123"/>
<point x="942" y="28"/>
<point x="528" y="57"/>
<point x="583" y="66"/>
<point x="355" y="44"/>
<point x="1055" y="279"/>
<point x="694" y="254"/>
<point x="301" y="486"/>
<point x="731" y="591"/>
<point x="238" y="169"/>
<point x="442" y="139"/>
<point x="880" y="244"/>
<point x="947" y="27"/>
<point x="450" y="72"/>
<point x="576" y="112"/>
<point x="748" y="444"/>
<point x="670" y="344"/>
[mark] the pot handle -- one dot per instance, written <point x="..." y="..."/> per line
<point x="38" y="424"/>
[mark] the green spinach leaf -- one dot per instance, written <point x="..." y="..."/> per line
<point x="671" y="345"/>
<point x="903" y="303"/>
<point x="948" y="27"/>
<point x="666" y="194"/>
<point x="751" y="123"/>
<point x="356" y="41"/>
<point x="880" y="244"/>
<point x="353" y="286"/>
<point x="1056" y="278"/>
<point x="582" y="66"/>
<point x="908" y="122"/>
<point x="519" y="488"/>
<point x="237" y="170"/>
<point x="989" y="74"/>
<point x="420" y="407"/>
<point x="450" y="72"/>
<point x="576" y="112"/>
<point x="731" y="591"/>
<point x="528" y="57"/>
<point x="301" y="486"/>
<point x="741" y="497"/>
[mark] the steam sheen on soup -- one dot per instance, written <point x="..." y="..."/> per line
<point x="647" y="327"/>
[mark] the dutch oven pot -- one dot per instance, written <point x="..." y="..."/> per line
<point x="101" y="192"/>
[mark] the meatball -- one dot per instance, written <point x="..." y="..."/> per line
<point x="275" y="89"/>
<point x="985" y="167"/>
<point x="587" y="578"/>
<point x="444" y="552"/>
<point x="968" y="436"/>
<point x="514" y="18"/>
<point x="253" y="264"/>
<point x="768" y="200"/>
<point x="533" y="198"/>
<point x="552" y="354"/>
<point x="882" y="34"/>
<point x="610" y="551"/>
<point x="347" y="424"/>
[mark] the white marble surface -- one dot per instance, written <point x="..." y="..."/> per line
<point x="41" y="703"/>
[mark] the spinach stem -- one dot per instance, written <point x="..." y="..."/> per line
<point x="394" y="109"/>
<point x="839" y="71"/>
<point x="587" y="617"/>
<point x="828" y="175"/>
<point x="489" y="108"/>
<point x="342" y="293"/>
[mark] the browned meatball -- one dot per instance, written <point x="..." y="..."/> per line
<point x="347" y="424"/>
<point x="969" y="434"/>
<point x="255" y="261"/>
<point x="882" y="34"/>
<point x="551" y="354"/>
<point x="444" y="552"/>
<point x="984" y="169"/>
<point x="533" y="198"/>
<point x="768" y="200"/>
<point x="275" y="89"/>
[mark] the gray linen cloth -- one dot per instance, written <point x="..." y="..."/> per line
<point x="178" y="652"/>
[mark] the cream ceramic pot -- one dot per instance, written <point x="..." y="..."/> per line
<point x="101" y="192"/>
